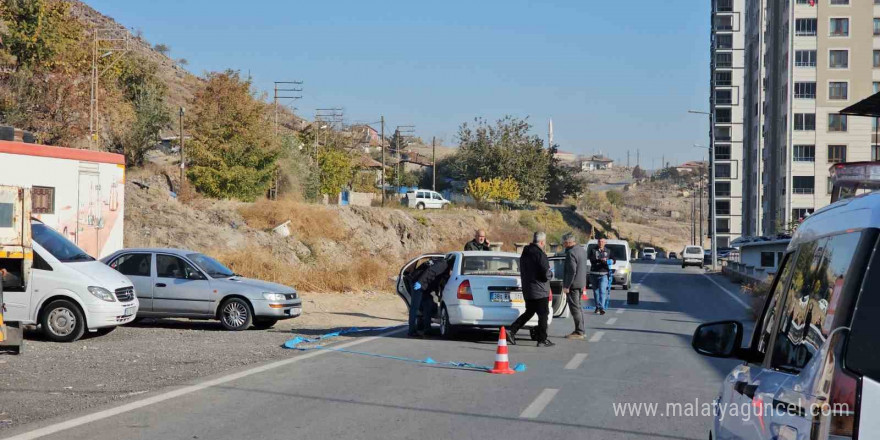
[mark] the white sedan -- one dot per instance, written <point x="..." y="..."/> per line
<point x="483" y="290"/>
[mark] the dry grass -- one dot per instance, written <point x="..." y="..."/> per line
<point x="363" y="274"/>
<point x="305" y="219"/>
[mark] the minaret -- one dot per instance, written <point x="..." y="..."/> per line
<point x="550" y="134"/>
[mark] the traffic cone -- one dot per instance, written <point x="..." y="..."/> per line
<point x="502" y="365"/>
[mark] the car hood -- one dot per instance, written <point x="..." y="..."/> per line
<point x="254" y="285"/>
<point x="100" y="274"/>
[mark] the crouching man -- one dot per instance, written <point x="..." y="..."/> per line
<point x="429" y="281"/>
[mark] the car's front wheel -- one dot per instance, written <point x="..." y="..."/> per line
<point x="235" y="314"/>
<point x="446" y="327"/>
<point x="420" y="206"/>
<point x="264" y="323"/>
<point x="62" y="321"/>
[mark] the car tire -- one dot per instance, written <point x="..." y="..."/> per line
<point x="236" y="315"/>
<point x="683" y="265"/>
<point x="447" y="330"/>
<point x="445" y="206"/>
<point x="420" y="206"/>
<point x="62" y="321"/>
<point x="264" y="323"/>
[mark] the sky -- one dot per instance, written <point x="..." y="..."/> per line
<point x="613" y="75"/>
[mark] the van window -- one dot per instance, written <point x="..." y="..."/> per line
<point x="436" y="196"/>
<point x="693" y="250"/>
<point x="55" y="243"/>
<point x="771" y="315"/>
<point x="6" y="215"/>
<point x="137" y="265"/>
<point x="816" y="288"/>
<point x="40" y="262"/>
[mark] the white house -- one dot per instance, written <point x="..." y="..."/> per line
<point x="79" y="193"/>
<point x="596" y="162"/>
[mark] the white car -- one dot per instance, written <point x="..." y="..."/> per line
<point x="649" y="254"/>
<point x="622" y="267"/>
<point x="692" y="256"/>
<point x="425" y="199"/>
<point x="484" y="289"/>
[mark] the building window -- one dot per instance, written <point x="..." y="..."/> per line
<point x="838" y="59"/>
<point x="876" y="26"/>
<point x="805" y="90"/>
<point x="722" y="189"/>
<point x="722" y="207"/>
<point x="805" y="26"/>
<point x="876" y="58"/>
<point x="799" y="214"/>
<point x="723" y="59"/>
<point x="724" y="22"/>
<point x="805" y="58"/>
<point x="836" y="122"/>
<point x="804" y="153"/>
<point x="722" y="152"/>
<point x="723" y="133"/>
<point x="724" y="41"/>
<point x="43" y="200"/>
<point x="724" y="97"/>
<point x="768" y="259"/>
<point x="839" y="27"/>
<point x="837" y="90"/>
<point x="723" y="116"/>
<point x="723" y="78"/>
<point x="836" y="153"/>
<point x="805" y="121"/>
<point x="803" y="184"/>
<point x="722" y="171"/>
<point x="839" y="2"/>
<point x="875" y="153"/>
<point x="722" y="225"/>
<point x="725" y="5"/>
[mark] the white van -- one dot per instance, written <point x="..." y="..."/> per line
<point x="423" y="198"/>
<point x="70" y="292"/>
<point x="692" y="256"/>
<point x="622" y="268"/>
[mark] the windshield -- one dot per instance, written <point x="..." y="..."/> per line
<point x="211" y="266"/>
<point x="693" y="250"/>
<point x="618" y="251"/>
<point x="488" y="265"/>
<point x="55" y="243"/>
<point x="649" y="250"/>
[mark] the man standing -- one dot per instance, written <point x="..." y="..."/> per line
<point x="479" y="243"/>
<point x="429" y="281"/>
<point x="600" y="275"/>
<point x="574" y="282"/>
<point x="534" y="270"/>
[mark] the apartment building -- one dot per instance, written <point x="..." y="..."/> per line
<point x="727" y="104"/>
<point x="816" y="57"/>
<point x="753" y="122"/>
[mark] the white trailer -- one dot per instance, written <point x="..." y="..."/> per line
<point x="79" y="193"/>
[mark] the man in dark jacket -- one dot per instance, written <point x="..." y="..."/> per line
<point x="573" y="283"/>
<point x="534" y="270"/>
<point x="600" y="275"/>
<point x="479" y="243"/>
<point x="430" y="280"/>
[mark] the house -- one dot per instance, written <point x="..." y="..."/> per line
<point x="565" y="156"/>
<point x="365" y="136"/>
<point x="366" y="164"/>
<point x="596" y="162"/>
<point x="693" y="166"/>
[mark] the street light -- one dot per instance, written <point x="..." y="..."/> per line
<point x="712" y="226"/>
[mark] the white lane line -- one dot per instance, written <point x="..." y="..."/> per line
<point x="620" y="311"/>
<point x="729" y="293"/>
<point x="534" y="409"/>
<point x="100" y="415"/>
<point x="611" y="321"/>
<point x="597" y="336"/>
<point x="576" y="361"/>
<point x="653" y="266"/>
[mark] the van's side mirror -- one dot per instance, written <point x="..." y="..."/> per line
<point x="721" y="339"/>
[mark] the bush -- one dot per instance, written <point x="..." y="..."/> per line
<point x="544" y="219"/>
<point x="615" y="198"/>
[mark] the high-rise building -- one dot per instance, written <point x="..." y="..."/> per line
<point x="727" y="106"/>
<point x="815" y="57"/>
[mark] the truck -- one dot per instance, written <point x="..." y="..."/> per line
<point x="52" y="283"/>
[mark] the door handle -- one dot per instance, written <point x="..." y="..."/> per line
<point x="745" y="389"/>
<point x="160" y="284"/>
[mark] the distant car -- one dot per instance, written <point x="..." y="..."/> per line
<point x="425" y="199"/>
<point x="692" y="256"/>
<point x="484" y="289"/>
<point x="673" y="256"/>
<point x="649" y="254"/>
<point x="176" y="283"/>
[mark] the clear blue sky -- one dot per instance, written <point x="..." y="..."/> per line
<point x="613" y="75"/>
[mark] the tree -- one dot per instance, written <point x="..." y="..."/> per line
<point x="563" y="180"/>
<point x="162" y="48"/>
<point x="479" y="189"/>
<point x="233" y="152"/>
<point x="505" y="190"/>
<point x="336" y="170"/>
<point x="183" y="61"/>
<point x="638" y="173"/>
<point x="615" y="198"/>
<point x="40" y="34"/>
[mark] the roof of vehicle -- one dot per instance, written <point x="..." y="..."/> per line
<point x="608" y="241"/>
<point x="853" y="214"/>
<point x="173" y="251"/>
<point x="486" y="254"/>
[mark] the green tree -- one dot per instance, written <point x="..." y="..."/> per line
<point x="162" y="48"/>
<point x="336" y="170"/>
<point x="39" y="34"/>
<point x="615" y="198"/>
<point x="233" y="152"/>
<point x="563" y="180"/>
<point x="136" y="78"/>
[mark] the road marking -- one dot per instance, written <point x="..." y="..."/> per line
<point x="597" y="336"/>
<point x="575" y="361"/>
<point x="620" y="311"/>
<point x="611" y="321"/>
<point x="729" y="293"/>
<point x="534" y="409"/>
<point x="100" y="415"/>
<point x="653" y="266"/>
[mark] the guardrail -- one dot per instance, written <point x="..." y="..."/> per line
<point x="740" y="272"/>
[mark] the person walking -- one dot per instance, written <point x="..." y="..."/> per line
<point x="574" y="281"/>
<point x="479" y="243"/>
<point x="429" y="281"/>
<point x="534" y="270"/>
<point x="600" y="275"/>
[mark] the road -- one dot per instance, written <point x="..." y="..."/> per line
<point x="634" y="354"/>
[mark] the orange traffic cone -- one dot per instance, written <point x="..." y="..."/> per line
<point x="502" y="364"/>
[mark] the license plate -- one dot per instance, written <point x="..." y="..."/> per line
<point x="128" y="311"/>
<point x="516" y="297"/>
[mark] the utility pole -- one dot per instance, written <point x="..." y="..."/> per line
<point x="327" y="118"/>
<point x="287" y="90"/>
<point x="401" y="131"/>
<point x="638" y="158"/>
<point x="701" y="207"/>
<point x="433" y="163"/>
<point x="182" y="156"/>
<point x="693" y="219"/>
<point x="115" y="40"/>
<point x="382" y="145"/>
<point x="627" y="158"/>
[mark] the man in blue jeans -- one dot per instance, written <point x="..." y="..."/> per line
<point x="600" y="275"/>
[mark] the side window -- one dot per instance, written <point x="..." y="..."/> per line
<point x="436" y="196"/>
<point x="169" y="266"/>
<point x="816" y="287"/>
<point x="40" y="262"/>
<point x="771" y="315"/>
<point x="137" y="265"/>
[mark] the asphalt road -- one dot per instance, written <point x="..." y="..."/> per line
<point x="635" y="354"/>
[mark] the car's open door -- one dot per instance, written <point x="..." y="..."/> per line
<point x="559" y="303"/>
<point x="403" y="281"/>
